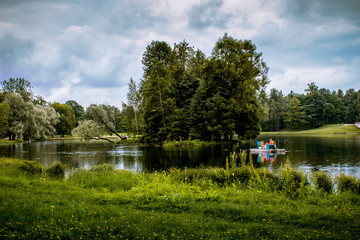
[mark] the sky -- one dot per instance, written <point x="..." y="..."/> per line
<point x="87" y="50"/>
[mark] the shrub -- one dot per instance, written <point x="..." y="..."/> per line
<point x="242" y="174"/>
<point x="323" y="182"/>
<point x="269" y="179"/>
<point x="292" y="181"/>
<point x="348" y="183"/>
<point x="56" y="170"/>
<point x="31" y="167"/>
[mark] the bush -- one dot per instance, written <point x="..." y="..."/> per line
<point x="31" y="167"/>
<point x="269" y="179"/>
<point x="292" y="181"/>
<point x="56" y="170"/>
<point x="348" y="183"/>
<point x="242" y="174"/>
<point x="323" y="182"/>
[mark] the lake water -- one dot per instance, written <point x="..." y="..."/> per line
<point x="338" y="154"/>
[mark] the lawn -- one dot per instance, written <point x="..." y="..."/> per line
<point x="238" y="202"/>
<point x="327" y="129"/>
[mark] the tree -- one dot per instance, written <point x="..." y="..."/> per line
<point x="67" y="119"/>
<point x="89" y="129"/>
<point x="29" y="121"/>
<point x="314" y="106"/>
<point x="106" y="117"/>
<point x="134" y="100"/>
<point x="219" y="119"/>
<point x="4" y="115"/>
<point x="158" y="105"/>
<point x="77" y="109"/>
<point x="18" y="85"/>
<point x="237" y="72"/>
<point x="295" y="116"/>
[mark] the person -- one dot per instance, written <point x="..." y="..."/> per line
<point x="262" y="143"/>
<point x="272" y="142"/>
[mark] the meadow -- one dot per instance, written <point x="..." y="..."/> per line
<point x="334" y="129"/>
<point x="235" y="202"/>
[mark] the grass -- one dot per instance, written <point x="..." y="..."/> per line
<point x="238" y="202"/>
<point x="327" y="129"/>
<point x="10" y="141"/>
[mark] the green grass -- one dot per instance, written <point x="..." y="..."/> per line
<point x="11" y="141"/>
<point x="238" y="202"/>
<point x="327" y="129"/>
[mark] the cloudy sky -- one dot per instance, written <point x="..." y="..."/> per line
<point x="87" y="50"/>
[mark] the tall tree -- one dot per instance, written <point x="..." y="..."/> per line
<point x="67" y="119"/>
<point x="295" y="115"/>
<point x="134" y="100"/>
<point x="77" y="109"/>
<point x="314" y="105"/>
<point x="18" y="85"/>
<point x="237" y="72"/>
<point x="155" y="89"/>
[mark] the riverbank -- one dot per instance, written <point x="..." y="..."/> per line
<point x="231" y="203"/>
<point x="324" y="130"/>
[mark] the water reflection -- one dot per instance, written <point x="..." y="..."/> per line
<point x="335" y="155"/>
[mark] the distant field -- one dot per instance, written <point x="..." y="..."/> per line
<point x="327" y="129"/>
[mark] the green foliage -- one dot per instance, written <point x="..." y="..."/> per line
<point x="185" y="94"/>
<point x="77" y="109"/>
<point x="29" y="167"/>
<point x="106" y="117"/>
<point x="89" y="129"/>
<point x="295" y="116"/>
<point x="104" y="177"/>
<point x="18" y="85"/>
<point x="29" y="121"/>
<point x="348" y="183"/>
<point x="4" y="116"/>
<point x="105" y="203"/>
<point x="56" y="170"/>
<point x="323" y="182"/>
<point x="292" y="182"/>
<point x="67" y="119"/>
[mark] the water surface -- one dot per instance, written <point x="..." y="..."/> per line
<point x="336" y="154"/>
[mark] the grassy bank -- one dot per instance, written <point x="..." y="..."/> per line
<point x="324" y="130"/>
<point x="238" y="202"/>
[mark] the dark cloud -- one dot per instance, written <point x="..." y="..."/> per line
<point x="207" y="14"/>
<point x="13" y="52"/>
<point x="310" y="10"/>
<point x="129" y="15"/>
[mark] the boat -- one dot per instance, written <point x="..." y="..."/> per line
<point x="266" y="148"/>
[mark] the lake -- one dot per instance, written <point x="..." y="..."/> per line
<point x="336" y="154"/>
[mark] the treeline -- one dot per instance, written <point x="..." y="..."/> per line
<point x="182" y="95"/>
<point x="26" y="116"/>
<point x="312" y="109"/>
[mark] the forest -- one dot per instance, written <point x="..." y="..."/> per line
<point x="183" y="94"/>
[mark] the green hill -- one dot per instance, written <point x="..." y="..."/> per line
<point x="327" y="129"/>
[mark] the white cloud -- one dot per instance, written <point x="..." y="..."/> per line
<point x="87" y="51"/>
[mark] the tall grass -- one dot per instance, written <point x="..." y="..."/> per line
<point x="203" y="203"/>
